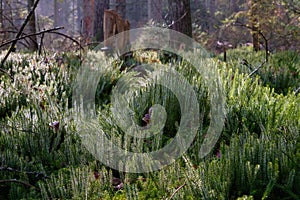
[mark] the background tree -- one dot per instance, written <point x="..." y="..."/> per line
<point x="280" y="28"/>
<point x="274" y="21"/>
<point x="100" y="6"/>
<point x="155" y="10"/>
<point x="88" y="19"/>
<point x="8" y="27"/>
<point x="121" y="8"/>
<point x="180" y="13"/>
<point x="79" y="14"/>
<point x="1" y="15"/>
<point x="58" y="13"/>
<point x="253" y="17"/>
<point x="33" y="45"/>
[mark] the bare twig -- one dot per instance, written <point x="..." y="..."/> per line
<point x="20" y="38"/>
<point x="10" y="31"/>
<point x="70" y="38"/>
<point x="19" y="33"/>
<point x="17" y="181"/>
<point x="36" y="174"/>
<point x="178" y="20"/>
<point x="53" y="30"/>
<point x="256" y="69"/>
<point x="25" y="36"/>
<point x="177" y="190"/>
<point x="10" y="22"/>
<point x="7" y="31"/>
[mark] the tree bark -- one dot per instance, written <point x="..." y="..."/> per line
<point x="30" y="35"/>
<point x="88" y="20"/>
<point x="155" y="10"/>
<point x="44" y="8"/>
<point x="65" y="14"/>
<point x="181" y="16"/>
<point x="1" y="14"/>
<point x="254" y="23"/>
<point x="5" y="36"/>
<point x="255" y="36"/>
<point x="33" y="45"/>
<point x="12" y="47"/>
<point x="121" y="8"/>
<point x="181" y="21"/>
<point x="79" y="15"/>
<point x="100" y="6"/>
<point x="57" y="13"/>
<point x="114" y="24"/>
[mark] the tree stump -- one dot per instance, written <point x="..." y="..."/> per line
<point x="114" y="24"/>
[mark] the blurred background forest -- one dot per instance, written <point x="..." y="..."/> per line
<point x="264" y="24"/>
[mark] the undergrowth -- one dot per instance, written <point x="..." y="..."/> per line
<point x="256" y="157"/>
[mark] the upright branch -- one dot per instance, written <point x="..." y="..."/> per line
<point x="258" y="32"/>
<point x="19" y="34"/>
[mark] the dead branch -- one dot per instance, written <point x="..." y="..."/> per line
<point x="25" y="36"/>
<point x="53" y="30"/>
<point x="17" y="181"/>
<point x="177" y="190"/>
<point x="178" y="20"/>
<point x="69" y="37"/>
<point x="36" y="174"/>
<point x="19" y="33"/>
<point x="10" y="21"/>
<point x="256" y="69"/>
<point x="13" y="42"/>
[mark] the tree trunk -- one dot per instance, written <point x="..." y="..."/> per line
<point x="57" y="14"/>
<point x="114" y="24"/>
<point x="254" y="23"/>
<point x="2" y="27"/>
<point x="61" y="14"/>
<point x="255" y="36"/>
<point x="181" y="21"/>
<point x="180" y="13"/>
<point x="121" y="8"/>
<point x="65" y="15"/>
<point x="155" y="10"/>
<point x="88" y="20"/>
<point x="1" y="14"/>
<point x="33" y="45"/>
<point x="100" y="6"/>
<point x="44" y="8"/>
<point x="79" y="15"/>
